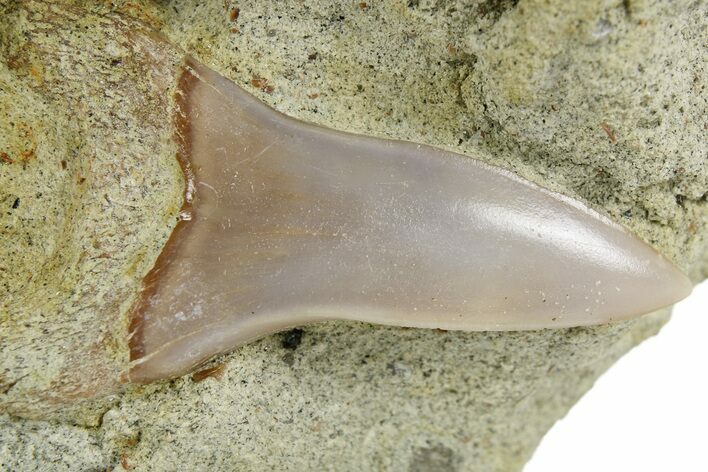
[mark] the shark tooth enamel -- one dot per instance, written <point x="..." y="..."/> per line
<point x="286" y="223"/>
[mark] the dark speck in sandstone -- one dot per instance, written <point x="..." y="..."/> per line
<point x="292" y="338"/>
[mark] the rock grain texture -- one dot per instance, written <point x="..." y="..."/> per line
<point x="603" y="102"/>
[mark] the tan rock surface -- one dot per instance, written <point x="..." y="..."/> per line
<point x="604" y="102"/>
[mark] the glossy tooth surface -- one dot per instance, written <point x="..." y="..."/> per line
<point x="287" y="223"/>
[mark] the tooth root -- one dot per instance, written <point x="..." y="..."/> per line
<point x="290" y="223"/>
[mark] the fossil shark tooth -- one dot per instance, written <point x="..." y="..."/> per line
<point x="286" y="223"/>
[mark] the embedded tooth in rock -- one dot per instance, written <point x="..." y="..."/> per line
<point x="286" y="223"/>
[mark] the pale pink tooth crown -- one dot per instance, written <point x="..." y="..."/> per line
<point x="286" y="223"/>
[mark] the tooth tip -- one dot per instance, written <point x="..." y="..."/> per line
<point x="684" y="286"/>
<point x="670" y="285"/>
